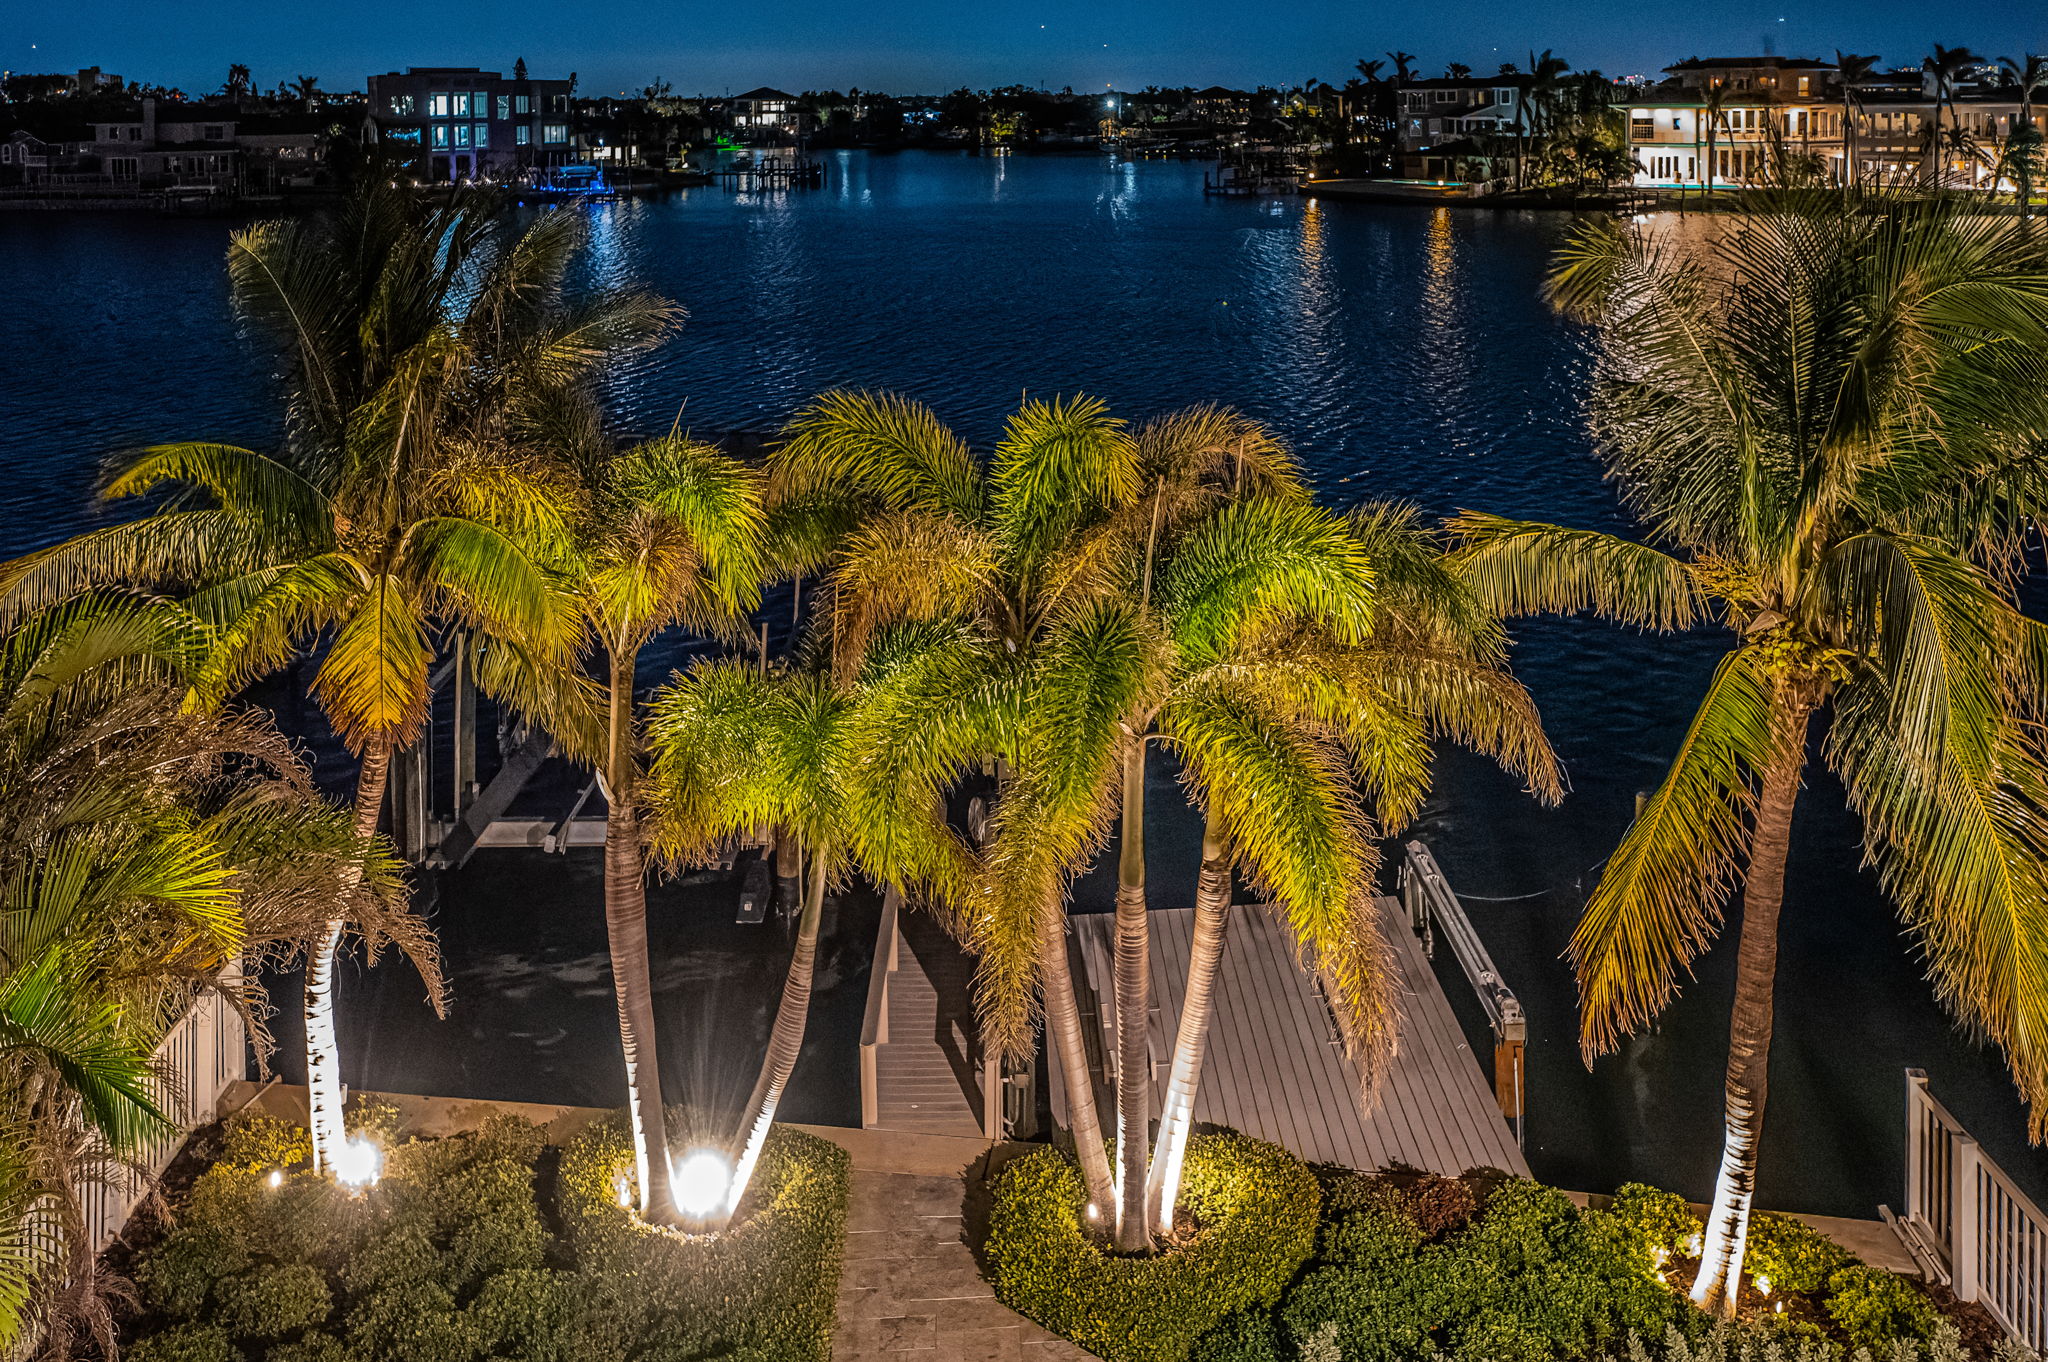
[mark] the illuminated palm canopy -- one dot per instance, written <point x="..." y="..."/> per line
<point x="1832" y="425"/>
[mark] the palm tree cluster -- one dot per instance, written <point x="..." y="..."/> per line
<point x="1829" y="430"/>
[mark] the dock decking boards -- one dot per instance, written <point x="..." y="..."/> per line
<point x="1276" y="1067"/>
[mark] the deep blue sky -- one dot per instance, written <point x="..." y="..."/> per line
<point x="936" y="44"/>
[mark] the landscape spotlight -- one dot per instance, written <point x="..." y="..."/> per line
<point x="358" y="1164"/>
<point x="701" y="1182"/>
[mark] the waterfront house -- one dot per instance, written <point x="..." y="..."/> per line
<point x="1754" y="111"/>
<point x="459" y="123"/>
<point x="169" y="145"/>
<point x="766" y="115"/>
<point x="1893" y="131"/>
<point x="1457" y="129"/>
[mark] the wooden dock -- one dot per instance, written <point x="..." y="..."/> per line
<point x="1276" y="1067"/>
<point x="922" y="1070"/>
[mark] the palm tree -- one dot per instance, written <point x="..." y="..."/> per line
<point x="239" y="81"/>
<point x="1713" y="113"/>
<point x="1431" y="665"/>
<point x="304" y="88"/>
<point x="1851" y="69"/>
<point x="1770" y="416"/>
<point x="735" y="750"/>
<point x="144" y="847"/>
<point x="2020" y="162"/>
<point x="1946" y="66"/>
<point x="1403" y="62"/>
<point x="418" y="349"/>
<point x="668" y="532"/>
<point x="1546" y="73"/>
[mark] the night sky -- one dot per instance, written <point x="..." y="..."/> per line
<point x="931" y="45"/>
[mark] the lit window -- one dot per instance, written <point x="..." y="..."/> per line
<point x="483" y="134"/>
<point x="522" y="136"/>
<point x="556" y="132"/>
<point x="437" y="104"/>
<point x="461" y="100"/>
<point x="504" y="106"/>
<point x="462" y="134"/>
<point x="524" y="103"/>
<point x="401" y="105"/>
<point x="440" y="134"/>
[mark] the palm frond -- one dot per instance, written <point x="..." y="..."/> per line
<point x="1522" y="567"/>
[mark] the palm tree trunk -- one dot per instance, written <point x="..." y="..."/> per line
<point x="1749" y="1033"/>
<point x="323" y="1054"/>
<point x="786" y="1039"/>
<point x="1133" y="1012"/>
<point x="625" y="928"/>
<point x="1177" y="1109"/>
<point x="1063" y="1027"/>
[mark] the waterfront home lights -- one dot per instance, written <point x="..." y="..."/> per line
<point x="701" y="1183"/>
<point x="359" y="1164"/>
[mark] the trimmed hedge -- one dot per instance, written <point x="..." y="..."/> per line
<point x="761" y="1291"/>
<point x="1255" y="1205"/>
<point x="447" y="1259"/>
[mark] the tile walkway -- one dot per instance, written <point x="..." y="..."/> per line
<point x="910" y="1290"/>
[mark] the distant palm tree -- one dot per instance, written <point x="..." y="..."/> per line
<point x="1402" y="62"/>
<point x="1947" y="66"/>
<point x="2021" y="162"/>
<point x="1370" y="70"/>
<point x="1850" y="70"/>
<point x="239" y="81"/>
<point x="1865" y="572"/>
<point x="1546" y="73"/>
<point x="1457" y="70"/>
<point x="1714" y="115"/>
<point x="305" y="88"/>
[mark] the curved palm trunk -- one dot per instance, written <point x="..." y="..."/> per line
<point x="1133" y="1009"/>
<point x="786" y="1040"/>
<point x="1063" y="1027"/>
<point x="625" y="929"/>
<point x="1191" y="1040"/>
<point x="1749" y="1033"/>
<point x="323" y="1054"/>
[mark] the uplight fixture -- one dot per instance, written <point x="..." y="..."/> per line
<point x="702" y="1181"/>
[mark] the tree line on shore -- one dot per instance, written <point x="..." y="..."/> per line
<point x="1828" y="425"/>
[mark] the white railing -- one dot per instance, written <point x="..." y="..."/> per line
<point x="1969" y="1223"/>
<point x="874" y="1027"/>
<point x="205" y="1052"/>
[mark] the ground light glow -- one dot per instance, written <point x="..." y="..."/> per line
<point x="359" y="1164"/>
<point x="701" y="1182"/>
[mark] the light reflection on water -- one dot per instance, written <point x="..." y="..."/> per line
<point x="1407" y="354"/>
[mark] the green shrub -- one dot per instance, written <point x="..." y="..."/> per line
<point x="1256" y="1206"/>
<point x="271" y="1302"/>
<point x="1248" y="1336"/>
<point x="179" y="1277"/>
<point x="1663" y="1218"/>
<point x="256" y="1140"/>
<point x="1531" y="1279"/>
<point x="763" y="1288"/>
<point x="402" y="1255"/>
<point x="525" y="1314"/>
<point x="1875" y="1307"/>
<point x="412" y="1324"/>
<point x="315" y="1346"/>
<point x="1792" y="1254"/>
<point x="185" y="1343"/>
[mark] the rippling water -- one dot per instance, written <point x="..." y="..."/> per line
<point x="1406" y="354"/>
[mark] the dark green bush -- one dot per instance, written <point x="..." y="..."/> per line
<point x="1875" y="1307"/>
<point x="185" y="1343"/>
<point x="1256" y="1207"/>
<point x="1532" y="1278"/>
<point x="315" y="1346"/>
<point x="1792" y="1254"/>
<point x="526" y="1314"/>
<point x="253" y="1139"/>
<point x="272" y="1302"/>
<point x="179" y="1277"/>
<point x="417" y="1323"/>
<point x="1248" y="1336"/>
<point x="764" y="1288"/>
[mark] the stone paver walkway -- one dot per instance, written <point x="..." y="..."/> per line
<point x="910" y="1289"/>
